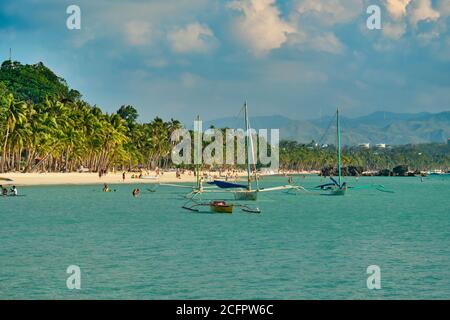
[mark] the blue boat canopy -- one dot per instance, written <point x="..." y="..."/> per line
<point x="227" y="185"/>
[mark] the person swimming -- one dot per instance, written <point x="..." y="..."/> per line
<point x="13" y="191"/>
<point x="136" y="192"/>
<point x="105" y="188"/>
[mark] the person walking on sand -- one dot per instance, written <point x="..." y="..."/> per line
<point x="123" y="176"/>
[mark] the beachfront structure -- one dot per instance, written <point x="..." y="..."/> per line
<point x="364" y="145"/>
<point x="381" y="145"/>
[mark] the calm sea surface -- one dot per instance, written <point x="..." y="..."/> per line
<point x="299" y="247"/>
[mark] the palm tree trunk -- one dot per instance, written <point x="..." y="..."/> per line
<point x="4" y="149"/>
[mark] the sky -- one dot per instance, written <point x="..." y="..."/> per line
<point x="296" y="58"/>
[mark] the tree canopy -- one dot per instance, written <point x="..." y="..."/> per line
<point x="34" y="82"/>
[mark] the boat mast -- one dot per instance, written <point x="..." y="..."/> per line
<point x="247" y="140"/>
<point x="338" y="145"/>
<point x="199" y="147"/>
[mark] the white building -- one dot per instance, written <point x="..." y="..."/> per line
<point x="364" y="145"/>
<point x="381" y="145"/>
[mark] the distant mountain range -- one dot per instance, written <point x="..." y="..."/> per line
<point x="379" y="127"/>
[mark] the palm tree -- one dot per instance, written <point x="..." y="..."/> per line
<point x="15" y="113"/>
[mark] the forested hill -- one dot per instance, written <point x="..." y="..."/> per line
<point x="34" y="82"/>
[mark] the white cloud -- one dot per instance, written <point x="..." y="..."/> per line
<point x="315" y="20"/>
<point x="408" y="12"/>
<point x="422" y="10"/>
<point x="138" y="33"/>
<point x="195" y="38"/>
<point x="260" y="27"/>
<point x="444" y="7"/>
<point x="394" y="30"/>
<point x="330" y="12"/>
<point x="327" y="42"/>
<point x="397" y="8"/>
<point x="426" y="37"/>
<point x="157" y="63"/>
<point x="189" y="80"/>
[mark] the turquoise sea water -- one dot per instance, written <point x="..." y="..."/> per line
<point x="299" y="247"/>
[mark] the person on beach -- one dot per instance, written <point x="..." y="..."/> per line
<point x="123" y="176"/>
<point x="14" y="191"/>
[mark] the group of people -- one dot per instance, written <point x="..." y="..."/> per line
<point x="136" y="192"/>
<point x="13" y="191"/>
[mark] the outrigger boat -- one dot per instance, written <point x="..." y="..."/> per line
<point x="240" y="192"/>
<point x="218" y="206"/>
<point x="337" y="188"/>
<point x="246" y="192"/>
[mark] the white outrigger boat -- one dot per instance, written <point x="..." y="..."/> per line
<point x="241" y="192"/>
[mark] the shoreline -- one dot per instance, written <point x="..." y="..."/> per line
<point x="88" y="178"/>
<point x="77" y="178"/>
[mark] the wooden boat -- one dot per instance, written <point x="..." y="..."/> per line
<point x="221" y="207"/>
<point x="338" y="191"/>
<point x="246" y="195"/>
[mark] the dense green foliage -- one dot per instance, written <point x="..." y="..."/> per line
<point x="44" y="128"/>
<point x="295" y="156"/>
<point x="34" y="83"/>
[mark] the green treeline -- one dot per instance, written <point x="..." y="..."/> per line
<point x="296" y="156"/>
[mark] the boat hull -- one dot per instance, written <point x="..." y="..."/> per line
<point x="246" y="195"/>
<point x="221" y="207"/>
<point x="338" y="191"/>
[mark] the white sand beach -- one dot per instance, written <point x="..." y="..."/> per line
<point x="81" y="178"/>
<point x="76" y="178"/>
